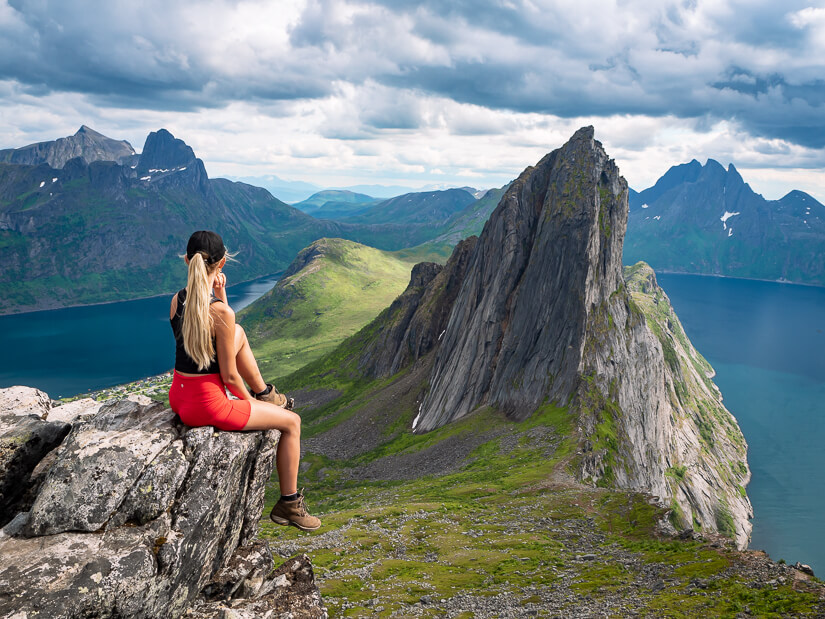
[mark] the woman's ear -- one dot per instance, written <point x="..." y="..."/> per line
<point x="186" y="260"/>
<point x="222" y="262"/>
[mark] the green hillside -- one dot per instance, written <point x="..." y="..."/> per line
<point x="332" y="289"/>
<point x="336" y="204"/>
<point x="426" y="207"/>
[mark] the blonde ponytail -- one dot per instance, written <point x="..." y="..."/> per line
<point x="197" y="321"/>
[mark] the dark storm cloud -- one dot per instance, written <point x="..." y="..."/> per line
<point x="132" y="55"/>
<point x="757" y="62"/>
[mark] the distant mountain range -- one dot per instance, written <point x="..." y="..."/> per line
<point x="294" y="192"/>
<point x="106" y="224"/>
<point x="707" y="220"/>
<point x="86" y="143"/>
<point x="336" y="204"/>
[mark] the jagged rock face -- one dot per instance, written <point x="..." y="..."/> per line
<point x="137" y="515"/>
<point x="168" y="161"/>
<point x="544" y="315"/>
<point x="24" y="441"/>
<point x="678" y="441"/>
<point x="162" y="150"/>
<point x="412" y="326"/>
<point x="550" y="250"/>
<point x="289" y="591"/>
<point x="86" y="143"/>
<point x="706" y="219"/>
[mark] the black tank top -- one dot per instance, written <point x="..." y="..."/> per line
<point x="183" y="362"/>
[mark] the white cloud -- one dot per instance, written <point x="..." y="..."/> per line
<point x="358" y="91"/>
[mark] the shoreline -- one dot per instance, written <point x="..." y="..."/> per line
<point x="163" y="294"/>
<point x="153" y="296"/>
<point x="746" y="279"/>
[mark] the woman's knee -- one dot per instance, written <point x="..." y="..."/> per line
<point x="294" y="423"/>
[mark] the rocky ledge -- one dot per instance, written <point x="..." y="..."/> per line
<point x="119" y="510"/>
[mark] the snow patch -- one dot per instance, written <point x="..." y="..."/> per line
<point x="725" y="217"/>
<point x="42" y="183"/>
<point x="54" y="180"/>
<point x="134" y="166"/>
<point x="145" y="178"/>
<point x="418" y="416"/>
<point x="730" y="232"/>
<point x="442" y="334"/>
<point x="645" y="206"/>
<point x="182" y="169"/>
<point x="657" y="217"/>
<point x="159" y="170"/>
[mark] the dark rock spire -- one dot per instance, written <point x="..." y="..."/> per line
<point x="550" y="251"/>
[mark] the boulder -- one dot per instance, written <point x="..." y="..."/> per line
<point x="21" y="400"/>
<point x="140" y="516"/>
<point x="77" y="410"/>
<point x="288" y="591"/>
<point x="24" y="441"/>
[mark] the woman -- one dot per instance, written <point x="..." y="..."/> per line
<point x="213" y="353"/>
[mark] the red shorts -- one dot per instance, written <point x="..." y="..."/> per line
<point x="202" y="401"/>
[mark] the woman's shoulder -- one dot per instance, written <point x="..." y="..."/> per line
<point x="221" y="309"/>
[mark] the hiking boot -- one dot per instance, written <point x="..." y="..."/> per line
<point x="273" y="396"/>
<point x="294" y="513"/>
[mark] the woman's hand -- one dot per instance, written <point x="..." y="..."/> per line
<point x="219" y="287"/>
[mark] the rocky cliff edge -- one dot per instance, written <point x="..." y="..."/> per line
<point x="119" y="510"/>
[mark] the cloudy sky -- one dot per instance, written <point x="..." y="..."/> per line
<point x="450" y="92"/>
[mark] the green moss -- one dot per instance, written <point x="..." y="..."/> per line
<point x="592" y="404"/>
<point x="724" y="521"/>
<point x="676" y="472"/>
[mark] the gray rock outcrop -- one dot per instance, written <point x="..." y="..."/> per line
<point x="25" y="439"/>
<point x="544" y="316"/>
<point x="137" y="515"/>
<point x="550" y="251"/>
<point x="86" y="143"/>
<point x="413" y="325"/>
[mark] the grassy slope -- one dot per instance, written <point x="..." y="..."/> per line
<point x="506" y="531"/>
<point x="309" y="313"/>
<point x="511" y="529"/>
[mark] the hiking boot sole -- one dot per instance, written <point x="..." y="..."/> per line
<point x="285" y="522"/>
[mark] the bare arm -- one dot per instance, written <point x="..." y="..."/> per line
<point x="219" y="288"/>
<point x="225" y="340"/>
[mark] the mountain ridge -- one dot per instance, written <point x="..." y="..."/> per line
<point x="86" y="143"/>
<point x="542" y="315"/>
<point x="122" y="226"/>
<point x="707" y="220"/>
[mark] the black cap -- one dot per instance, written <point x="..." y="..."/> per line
<point x="207" y="242"/>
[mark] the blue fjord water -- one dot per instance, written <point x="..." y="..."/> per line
<point x="766" y="342"/>
<point x="69" y="351"/>
<point x="764" y="339"/>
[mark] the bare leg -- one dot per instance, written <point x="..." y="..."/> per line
<point x="265" y="416"/>
<point x="245" y="360"/>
